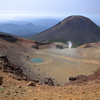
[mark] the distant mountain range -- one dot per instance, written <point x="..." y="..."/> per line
<point x="74" y="28"/>
<point x="16" y="29"/>
<point x="27" y="28"/>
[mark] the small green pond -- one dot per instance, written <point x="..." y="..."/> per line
<point x="37" y="60"/>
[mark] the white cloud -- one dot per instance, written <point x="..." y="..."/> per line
<point x="8" y="16"/>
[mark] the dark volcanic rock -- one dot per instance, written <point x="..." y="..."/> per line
<point x="8" y="38"/>
<point x="72" y="78"/>
<point x="74" y="28"/>
<point x="1" y="80"/>
<point x="49" y="81"/>
<point x="11" y="68"/>
<point x="79" y="77"/>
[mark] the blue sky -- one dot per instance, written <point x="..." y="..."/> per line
<point x="19" y="9"/>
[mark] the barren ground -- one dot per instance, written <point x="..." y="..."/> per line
<point x="58" y="64"/>
<point x="12" y="89"/>
<point x="61" y="64"/>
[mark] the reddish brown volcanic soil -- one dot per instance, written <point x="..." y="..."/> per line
<point x="12" y="89"/>
<point x="19" y="50"/>
<point x="58" y="65"/>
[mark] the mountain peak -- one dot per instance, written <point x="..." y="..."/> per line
<point x="74" y="18"/>
<point x="29" y="24"/>
<point x="75" y="28"/>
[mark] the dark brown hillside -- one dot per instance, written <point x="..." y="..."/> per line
<point x="75" y="28"/>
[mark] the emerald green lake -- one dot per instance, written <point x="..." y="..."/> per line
<point x="37" y="60"/>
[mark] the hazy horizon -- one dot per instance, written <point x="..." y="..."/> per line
<point x="19" y="10"/>
<point x="24" y="20"/>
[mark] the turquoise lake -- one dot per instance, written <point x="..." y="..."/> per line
<point x="37" y="60"/>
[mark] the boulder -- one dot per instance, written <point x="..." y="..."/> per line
<point x="79" y="77"/>
<point x="49" y="81"/>
<point x="1" y="80"/>
<point x="72" y="78"/>
<point x="31" y="83"/>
